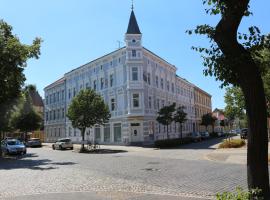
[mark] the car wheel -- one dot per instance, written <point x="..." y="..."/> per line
<point x="71" y="148"/>
<point x="53" y="147"/>
<point x="60" y="147"/>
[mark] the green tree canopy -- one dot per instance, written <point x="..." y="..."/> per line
<point x="86" y="110"/>
<point x="208" y="120"/>
<point x="180" y="117"/>
<point x="165" y="116"/>
<point x="13" y="58"/>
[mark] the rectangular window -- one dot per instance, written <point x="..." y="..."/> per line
<point x="58" y="96"/>
<point x="107" y="134"/>
<point x="101" y="83"/>
<point x="87" y="85"/>
<point x="69" y="93"/>
<point x="47" y="102"/>
<point x="158" y="104"/>
<point x="74" y="92"/>
<point x="47" y="116"/>
<point x="149" y="78"/>
<point x="172" y="87"/>
<point x="111" y="80"/>
<point x="74" y="132"/>
<point x="117" y="132"/>
<point x="95" y="85"/>
<point x="97" y="134"/>
<point x="69" y="132"/>
<point x="54" y="115"/>
<point x="150" y="102"/>
<point x="63" y="112"/>
<point x="112" y="104"/>
<point x="134" y="73"/>
<point x="63" y="95"/>
<point x="161" y="83"/>
<point x="168" y="86"/>
<point x="133" y="53"/>
<point x="136" y="99"/>
<point x="157" y="81"/>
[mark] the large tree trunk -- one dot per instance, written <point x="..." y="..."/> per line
<point x="181" y="131"/>
<point x="167" y="131"/>
<point x="249" y="78"/>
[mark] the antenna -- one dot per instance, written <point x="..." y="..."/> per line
<point x="132" y="4"/>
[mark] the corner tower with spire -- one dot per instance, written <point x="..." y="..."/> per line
<point x="133" y="38"/>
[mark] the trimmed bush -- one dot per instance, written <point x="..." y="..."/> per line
<point x="233" y="143"/>
<point x="168" y="143"/>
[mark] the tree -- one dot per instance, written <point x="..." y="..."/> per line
<point x="13" y="58"/>
<point x="26" y="119"/>
<point x="180" y="117"/>
<point x="231" y="59"/>
<point x="165" y="116"/>
<point x="86" y="110"/>
<point x="207" y="120"/>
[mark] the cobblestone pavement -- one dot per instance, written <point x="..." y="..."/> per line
<point x="45" y="171"/>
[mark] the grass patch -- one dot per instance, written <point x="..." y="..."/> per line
<point x="234" y="143"/>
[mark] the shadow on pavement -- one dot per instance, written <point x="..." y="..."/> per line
<point x="23" y="162"/>
<point x="102" y="151"/>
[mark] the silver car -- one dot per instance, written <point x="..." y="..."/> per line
<point x="13" y="146"/>
<point x="64" y="143"/>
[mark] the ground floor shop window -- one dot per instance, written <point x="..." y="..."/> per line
<point x="97" y="134"/>
<point x="107" y="135"/>
<point x="117" y="132"/>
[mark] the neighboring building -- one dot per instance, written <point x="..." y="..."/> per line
<point x="219" y="114"/>
<point x="135" y="83"/>
<point x="203" y="105"/>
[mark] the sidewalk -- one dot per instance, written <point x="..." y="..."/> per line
<point x="233" y="156"/>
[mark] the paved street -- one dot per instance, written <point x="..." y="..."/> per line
<point x="137" y="173"/>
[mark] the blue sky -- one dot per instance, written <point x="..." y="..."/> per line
<point x="78" y="31"/>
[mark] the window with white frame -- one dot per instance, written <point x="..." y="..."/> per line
<point x="136" y="100"/>
<point x="133" y="53"/>
<point x="157" y="81"/>
<point x="150" y="102"/>
<point x="111" y="80"/>
<point x="149" y="78"/>
<point x="101" y="83"/>
<point x="134" y="73"/>
<point x="113" y="104"/>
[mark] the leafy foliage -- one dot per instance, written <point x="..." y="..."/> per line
<point x="13" y="58"/>
<point x="165" y="115"/>
<point x="208" y="119"/>
<point x="86" y="110"/>
<point x="240" y="194"/>
<point x="180" y="117"/>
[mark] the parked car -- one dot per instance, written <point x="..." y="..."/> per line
<point x="221" y="134"/>
<point x="196" y="137"/>
<point x="64" y="143"/>
<point x="33" y="142"/>
<point x="204" y="135"/>
<point x="13" y="146"/>
<point x="244" y="133"/>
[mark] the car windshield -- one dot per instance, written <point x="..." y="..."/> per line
<point x="13" y="142"/>
<point x="64" y="140"/>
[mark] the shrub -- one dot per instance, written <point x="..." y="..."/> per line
<point x="234" y="143"/>
<point x="240" y="194"/>
<point x="172" y="142"/>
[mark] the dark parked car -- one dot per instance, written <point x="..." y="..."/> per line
<point x="204" y="135"/>
<point x="196" y="137"/>
<point x="244" y="133"/>
<point x="33" y="142"/>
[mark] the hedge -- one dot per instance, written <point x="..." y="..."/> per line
<point x="167" y="143"/>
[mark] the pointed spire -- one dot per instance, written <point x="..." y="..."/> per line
<point x="133" y="27"/>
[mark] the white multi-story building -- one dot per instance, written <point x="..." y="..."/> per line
<point x="135" y="83"/>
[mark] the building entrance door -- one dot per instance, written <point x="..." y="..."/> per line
<point x="136" y="134"/>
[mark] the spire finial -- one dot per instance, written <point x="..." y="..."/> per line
<point x="132" y="5"/>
